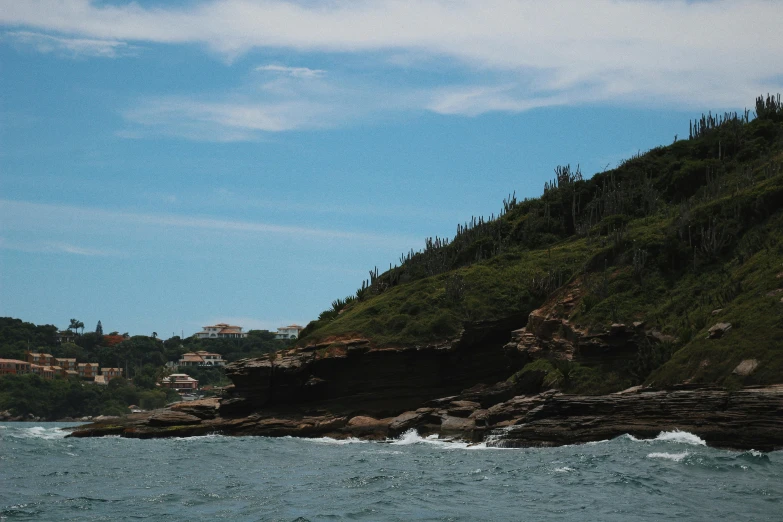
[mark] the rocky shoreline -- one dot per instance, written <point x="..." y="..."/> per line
<point x="750" y="418"/>
<point x="461" y="389"/>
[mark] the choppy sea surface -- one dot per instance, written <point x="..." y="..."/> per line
<point x="44" y="476"/>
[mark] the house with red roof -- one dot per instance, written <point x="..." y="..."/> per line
<point x="221" y="331"/>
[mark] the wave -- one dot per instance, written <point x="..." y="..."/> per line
<point x="412" y="437"/>
<point x="36" y="432"/>
<point x="676" y="457"/>
<point x="680" y="437"/>
<point x="339" y="442"/>
<point x="676" y="436"/>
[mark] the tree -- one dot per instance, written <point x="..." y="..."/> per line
<point x="99" y="329"/>
<point x="75" y="325"/>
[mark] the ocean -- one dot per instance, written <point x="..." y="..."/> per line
<point x="44" y="476"/>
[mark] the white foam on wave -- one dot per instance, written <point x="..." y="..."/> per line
<point x="38" y="432"/>
<point x="339" y="442"/>
<point x="412" y="437"/>
<point x="681" y="437"/>
<point x="564" y="469"/>
<point x="676" y="436"/>
<point x="676" y="457"/>
<point x="198" y="438"/>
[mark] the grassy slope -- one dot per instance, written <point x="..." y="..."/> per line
<point x="712" y="239"/>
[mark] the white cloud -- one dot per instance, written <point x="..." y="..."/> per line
<point x="519" y="53"/>
<point x="227" y="119"/>
<point x="23" y="215"/>
<point x="71" y="47"/>
<point x="295" y="72"/>
<point x="55" y="247"/>
<point x="287" y="102"/>
<point x="472" y="101"/>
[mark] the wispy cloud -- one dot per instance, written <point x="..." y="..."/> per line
<point x="71" y="47"/>
<point x="295" y="72"/>
<point x="515" y="54"/>
<point x="55" y="247"/>
<point x="293" y="99"/>
<point x="230" y="119"/>
<point x="472" y="101"/>
<point x="20" y="215"/>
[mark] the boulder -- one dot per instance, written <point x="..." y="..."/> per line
<point x="203" y="408"/>
<point x="413" y="420"/>
<point x="172" y="418"/>
<point x="457" y="426"/>
<point x="746" y="367"/>
<point x="462" y="408"/>
<point x="718" y="330"/>
<point x="362" y="426"/>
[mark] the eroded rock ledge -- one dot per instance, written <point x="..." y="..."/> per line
<point x="750" y="418"/>
<point x="348" y="388"/>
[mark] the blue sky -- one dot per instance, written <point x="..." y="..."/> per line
<point x="167" y="165"/>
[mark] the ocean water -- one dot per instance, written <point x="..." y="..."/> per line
<point x="44" y="476"/>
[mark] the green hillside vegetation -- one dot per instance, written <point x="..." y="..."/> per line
<point x="667" y="237"/>
<point x="142" y="359"/>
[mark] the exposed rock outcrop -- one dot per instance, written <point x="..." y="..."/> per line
<point x="751" y="418"/>
<point x="349" y="388"/>
<point x="351" y="376"/>
<point x="718" y="330"/>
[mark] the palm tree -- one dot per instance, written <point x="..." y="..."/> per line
<point x="75" y="325"/>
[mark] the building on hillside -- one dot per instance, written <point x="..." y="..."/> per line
<point x="289" y="332"/>
<point x="180" y="382"/>
<point x="45" y="371"/>
<point x="201" y="358"/>
<point x="13" y="367"/>
<point x="111" y="373"/>
<point x="41" y="359"/>
<point x="66" y="364"/>
<point x="87" y="370"/>
<point x="221" y="331"/>
<point x="65" y="337"/>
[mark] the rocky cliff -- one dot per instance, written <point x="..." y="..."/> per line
<point x="348" y="388"/>
<point x="351" y="376"/>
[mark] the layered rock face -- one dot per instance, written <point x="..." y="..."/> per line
<point x="347" y="388"/>
<point x="350" y="376"/>
<point x="549" y="334"/>
<point x="751" y="418"/>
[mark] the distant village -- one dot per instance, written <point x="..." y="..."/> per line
<point x="48" y="366"/>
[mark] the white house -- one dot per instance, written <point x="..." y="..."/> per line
<point x="201" y="358"/>
<point x="221" y="331"/>
<point x="289" y="332"/>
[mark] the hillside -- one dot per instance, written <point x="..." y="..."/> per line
<point x="672" y="241"/>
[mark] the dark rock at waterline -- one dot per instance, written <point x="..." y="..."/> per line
<point x="750" y="418"/>
<point x="460" y="389"/>
<point x="346" y="376"/>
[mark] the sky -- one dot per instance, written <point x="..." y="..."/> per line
<point x="169" y="165"/>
